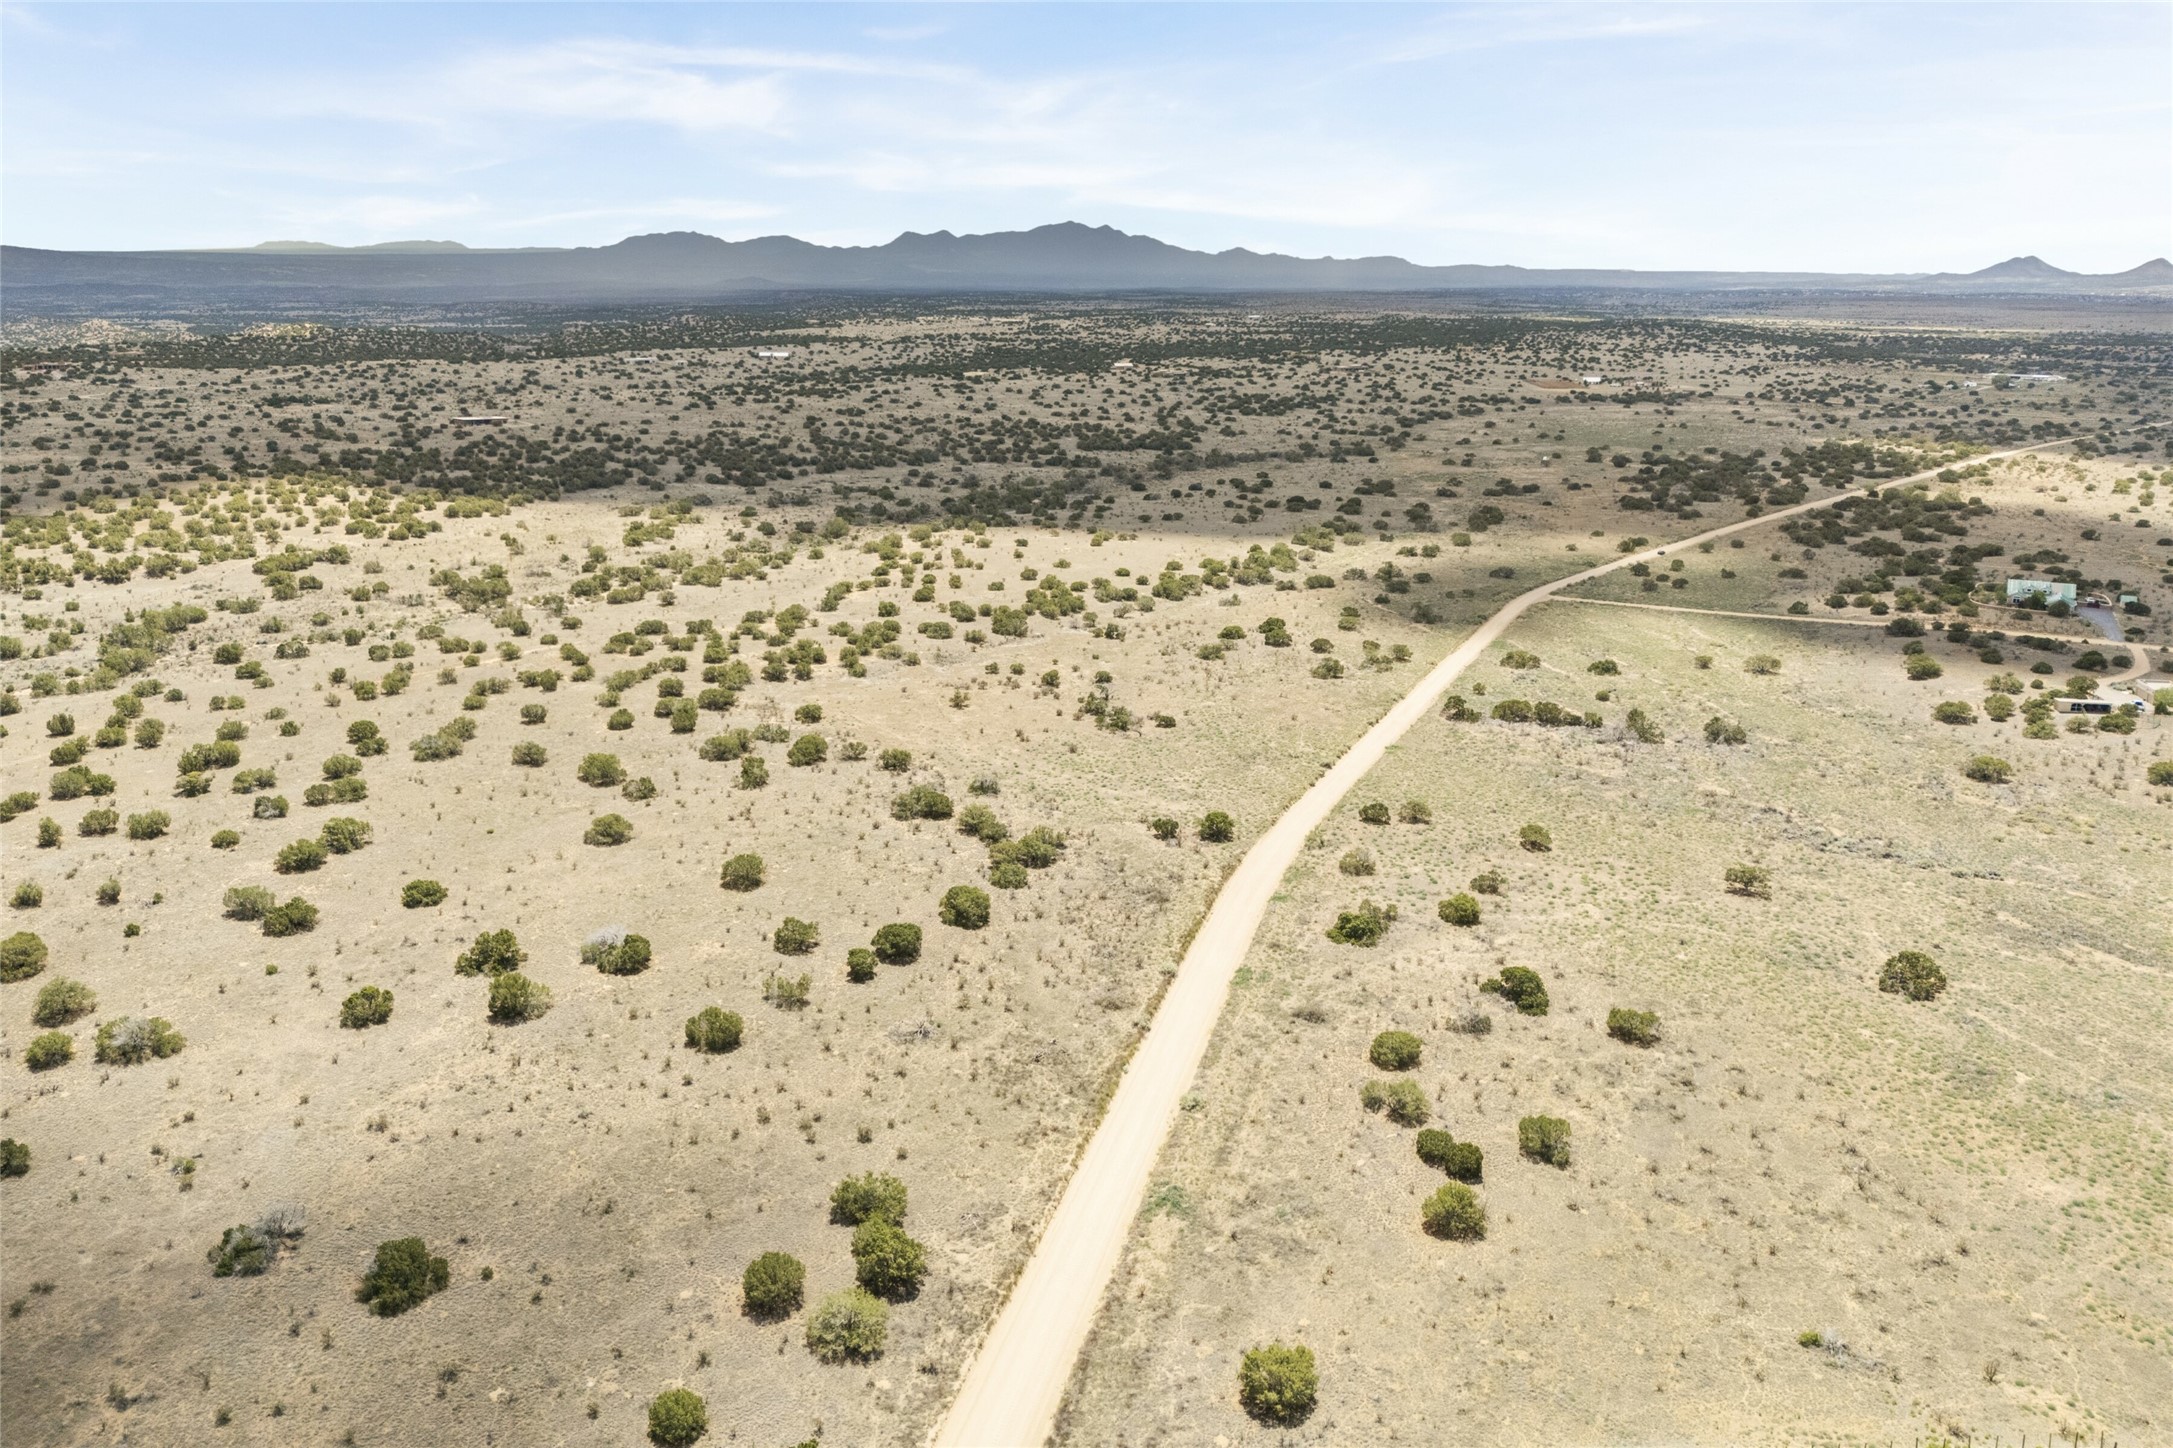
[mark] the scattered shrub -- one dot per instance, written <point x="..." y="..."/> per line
<point x="1395" y="1051"/>
<point x="1544" y="1139"/>
<point x="225" y="839"/>
<point x="1415" y="812"/>
<point x="29" y="895"/>
<point x="601" y="770"/>
<point x="964" y="907"/>
<point x="1217" y="828"/>
<point x="1521" y="987"/>
<point x="1914" y="974"/>
<point x="14" y="1157"/>
<point x="402" y="1277"/>
<point x="494" y="953"/>
<point x="677" y="1418"/>
<point x="1278" y="1384"/>
<point x="98" y="822"/>
<point x="773" y="1285"/>
<point x="848" y="1326"/>
<point x="344" y="836"/>
<point x="979" y="821"/>
<point x="742" y="873"/>
<point x="1362" y="927"/>
<point x="249" y="902"/>
<point x="895" y="761"/>
<point x="1725" y="731"/>
<point x="1487" y="882"/>
<point x="269" y="807"/>
<point x="2160" y="773"/>
<point x="1953" y="711"/>
<point x="608" y="829"/>
<point x="150" y="825"/>
<point x="530" y="755"/>
<point x="109" y="891"/>
<point x="1535" y="838"/>
<point x="54" y="1048"/>
<point x="886" y="1261"/>
<point x="1633" y="1028"/>
<point x="1991" y="769"/>
<point x="795" y="937"/>
<point x="616" y="952"/>
<point x="1373" y="813"/>
<point x="1402" y="1100"/>
<point x="1358" y="862"/>
<point x="787" y="993"/>
<point x="242" y="1252"/>
<point x="898" y="944"/>
<point x="869" y="1197"/>
<point x="921" y="802"/>
<point x="807" y="749"/>
<point x="300" y="857"/>
<point x="369" y="1006"/>
<point x="1461" y="1160"/>
<point x="1921" y="667"/>
<point x="422" y="894"/>
<point x="132" y="1040"/>
<point x="62" y="1000"/>
<point x="1762" y="664"/>
<point x="296" y="917"/>
<point x="859" y="965"/>
<point x="713" y="1030"/>
<point x="22" y="955"/>
<point x="1749" y="880"/>
<point x="515" y="998"/>
<point x="1460" y="909"/>
<point x="1454" y="1214"/>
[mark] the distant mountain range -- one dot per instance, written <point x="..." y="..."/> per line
<point x="1067" y="257"/>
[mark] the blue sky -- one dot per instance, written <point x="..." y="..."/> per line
<point x="1830" y="137"/>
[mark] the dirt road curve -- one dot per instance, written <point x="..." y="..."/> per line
<point x="1016" y="1381"/>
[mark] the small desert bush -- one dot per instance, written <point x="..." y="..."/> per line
<point x="301" y="857"/>
<point x="848" y="1326"/>
<point x="249" y="902"/>
<point x="1921" y="667"/>
<point x="225" y="839"/>
<point x="1374" y="813"/>
<point x="753" y="772"/>
<point x="921" y="802"/>
<point x="296" y="917"/>
<point x="1217" y="828"/>
<point x="1461" y="1160"/>
<point x="515" y="998"/>
<point x="1749" y="880"/>
<point x="773" y="1285"/>
<point x="14" y="1157"/>
<point x="742" y="873"/>
<point x="369" y="1006"/>
<point x="1454" y="1214"/>
<point x="132" y="1040"/>
<point x="886" y="1261"/>
<point x="608" y="829"/>
<point x="22" y="955"/>
<point x="403" y="1275"/>
<point x="964" y="907"/>
<point x="1460" y="909"/>
<point x="54" y="1048"/>
<point x="494" y="953"/>
<point x="344" y="836"/>
<point x="1914" y="974"/>
<point x="1362" y="927"/>
<point x="1521" y="987"/>
<point x="1633" y="1028"/>
<point x="1356" y="862"/>
<point x="63" y="1000"/>
<point x="1544" y="1139"/>
<point x="530" y="755"/>
<point x="807" y="749"/>
<point x="601" y="770"/>
<point x="677" y="1418"/>
<point x="1991" y="769"/>
<point x="1277" y="1384"/>
<point x="1536" y="839"/>
<point x="616" y="952"/>
<point x="1953" y="711"/>
<point x="871" y="1196"/>
<point x="422" y="894"/>
<point x="1725" y="731"/>
<point x="1402" y="1100"/>
<point x="149" y="825"/>
<point x="269" y="807"/>
<point x="98" y="822"/>
<point x="895" y="761"/>
<point x="859" y="965"/>
<point x="897" y="943"/>
<point x="787" y="993"/>
<point x="1395" y="1051"/>
<point x="795" y="937"/>
<point x="714" y="1030"/>
<point x="242" y="1252"/>
<point x="28" y="895"/>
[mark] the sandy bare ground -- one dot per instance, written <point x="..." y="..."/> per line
<point x="1015" y="1384"/>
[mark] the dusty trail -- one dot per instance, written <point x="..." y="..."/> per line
<point x="1015" y="1383"/>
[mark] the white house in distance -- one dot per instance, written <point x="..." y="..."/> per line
<point x="772" y="354"/>
<point x="2050" y="590"/>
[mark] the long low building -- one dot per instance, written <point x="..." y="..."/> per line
<point x="2051" y="590"/>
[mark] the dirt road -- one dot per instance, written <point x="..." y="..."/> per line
<point x="1015" y="1383"/>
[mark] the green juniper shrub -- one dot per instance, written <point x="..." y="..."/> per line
<point x="225" y="839"/>
<point x="1356" y="862"/>
<point x="1402" y="1100"/>
<point x="1991" y="769"/>
<point x="1544" y="1139"/>
<point x="1395" y="1051"/>
<point x="109" y="891"/>
<point x="608" y="829"/>
<point x="342" y="766"/>
<point x="1461" y="1160"/>
<point x="22" y="955"/>
<point x="29" y="895"/>
<point x="1217" y="828"/>
<point x="787" y="993"/>
<point x="98" y="822"/>
<point x="54" y="1048"/>
<point x="62" y="1000"/>
<point x="753" y="772"/>
<point x="48" y="834"/>
<point x="1749" y="880"/>
<point x="242" y="1252"/>
<point x="1521" y="987"/>
<point x="515" y="998"/>
<point x="2160" y="773"/>
<point x="859" y="965"/>
<point x="1913" y="974"/>
<point x="1374" y="813"/>
<point x="249" y="902"/>
<point x="403" y="1275"/>
<point x="773" y="1286"/>
<point x="1163" y="827"/>
<point x="1453" y="1213"/>
<point x="1008" y="875"/>
<point x="621" y="719"/>
<point x="1487" y="882"/>
<point x="1633" y="1028"/>
<point x="1953" y="711"/>
<point x="530" y="755"/>
<point x="921" y="802"/>
<point x="795" y="937"/>
<point x="344" y="836"/>
<point x="1536" y="839"/>
<point x="886" y="1261"/>
<point x="149" y="825"/>
<point x="494" y="953"/>
<point x="601" y="770"/>
<point x="1364" y="926"/>
<point x="807" y="749"/>
<point x="713" y="1030"/>
<point x="14" y="1157"/>
<point x="742" y="873"/>
<point x="639" y="789"/>
<point x="616" y="952"/>
<point x="848" y="1326"/>
<point x="132" y="1040"/>
<point x="422" y="894"/>
<point x="1278" y="1385"/>
<point x="369" y="1006"/>
<point x="677" y="1417"/>
<point x="300" y="857"/>
<point x="964" y="907"/>
<point x="534" y="713"/>
<point x="871" y="1196"/>
<point x="269" y="807"/>
<point x="731" y="744"/>
<point x="897" y="943"/>
<point x="979" y="821"/>
<point x="296" y="917"/>
<point x="1460" y="909"/>
<point x="895" y="761"/>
